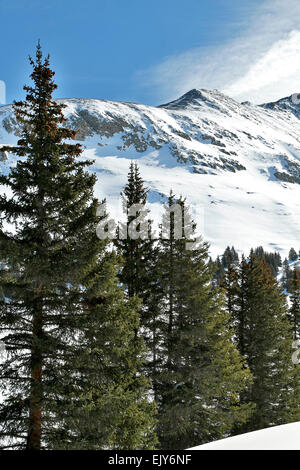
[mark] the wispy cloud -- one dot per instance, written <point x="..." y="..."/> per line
<point x="262" y="64"/>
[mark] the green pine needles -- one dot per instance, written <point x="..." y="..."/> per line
<point x="63" y="314"/>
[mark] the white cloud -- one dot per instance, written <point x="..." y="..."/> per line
<point x="277" y="72"/>
<point x="262" y="64"/>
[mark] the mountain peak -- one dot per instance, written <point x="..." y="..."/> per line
<point x="196" y="98"/>
<point x="289" y="103"/>
<point x="192" y="98"/>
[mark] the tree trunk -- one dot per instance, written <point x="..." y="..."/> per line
<point x="35" y="409"/>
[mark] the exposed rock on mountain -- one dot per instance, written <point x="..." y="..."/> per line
<point x="238" y="164"/>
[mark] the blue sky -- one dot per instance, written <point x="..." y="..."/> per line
<point x="150" y="51"/>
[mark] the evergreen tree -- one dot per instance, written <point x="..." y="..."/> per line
<point x="267" y="345"/>
<point x="240" y="320"/>
<point x="230" y="257"/>
<point x="293" y="256"/>
<point x="286" y="274"/>
<point x="112" y="407"/>
<point x="295" y="303"/>
<point x="51" y="212"/>
<point x="202" y="373"/>
<point x="219" y="271"/>
<point x="230" y="283"/>
<point x="133" y="236"/>
<point x="136" y="244"/>
<point x="47" y="259"/>
<point x="273" y="260"/>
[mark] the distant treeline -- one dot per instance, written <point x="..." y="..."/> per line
<point x="274" y="261"/>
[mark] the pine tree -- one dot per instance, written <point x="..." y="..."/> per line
<point x="295" y="303"/>
<point x="202" y="373"/>
<point x="273" y="260"/>
<point x="286" y="274"/>
<point x="230" y="283"/>
<point x="134" y="236"/>
<point x="219" y="271"/>
<point x="49" y="261"/>
<point x="51" y="211"/>
<point x="139" y="272"/>
<point x="112" y="407"/>
<point x="293" y="256"/>
<point x="267" y="345"/>
<point x="230" y="257"/>
<point x="240" y="320"/>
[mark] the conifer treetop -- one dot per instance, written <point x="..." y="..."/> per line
<point x="40" y="117"/>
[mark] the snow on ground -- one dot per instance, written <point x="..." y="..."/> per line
<point x="284" y="437"/>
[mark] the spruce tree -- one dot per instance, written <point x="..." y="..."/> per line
<point x="265" y="338"/>
<point x="286" y="274"/>
<point x="293" y="255"/>
<point x="295" y="303"/>
<point x="202" y="373"/>
<point x="51" y="213"/>
<point x="273" y="260"/>
<point x="230" y="257"/>
<point x="139" y="270"/>
<point x="50" y="260"/>
<point x="219" y="271"/>
<point x="240" y="320"/>
<point x="135" y="245"/>
<point x="230" y="283"/>
<point x="112" y="407"/>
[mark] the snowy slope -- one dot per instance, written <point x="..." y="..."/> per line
<point x="237" y="164"/>
<point x="285" y="437"/>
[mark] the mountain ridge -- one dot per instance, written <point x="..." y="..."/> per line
<point x="234" y="161"/>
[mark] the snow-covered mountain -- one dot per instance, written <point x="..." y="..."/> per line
<point x="237" y="164"/>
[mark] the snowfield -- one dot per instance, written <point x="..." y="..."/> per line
<point x="237" y="164"/>
<point x="284" y="437"/>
